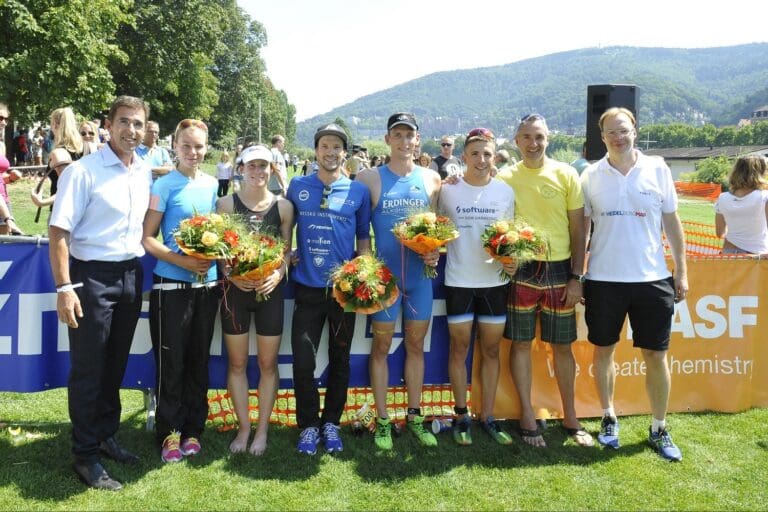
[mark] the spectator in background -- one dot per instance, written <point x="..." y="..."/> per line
<point x="581" y="163"/>
<point x="65" y="132"/>
<point x="278" y="181"/>
<point x="741" y="214"/>
<point x="21" y="147"/>
<point x="503" y="160"/>
<point x="375" y="161"/>
<point x="425" y="160"/>
<point x="445" y="163"/>
<point x="89" y="133"/>
<point x="36" y="147"/>
<point x="58" y="161"/>
<point x="223" y="174"/>
<point x="156" y="156"/>
<point x="7" y="222"/>
<point x="4" y="115"/>
<point x="48" y="145"/>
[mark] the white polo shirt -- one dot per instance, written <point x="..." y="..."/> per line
<point x="626" y="244"/>
<point x="102" y="204"/>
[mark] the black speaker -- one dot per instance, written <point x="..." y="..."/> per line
<point x="599" y="99"/>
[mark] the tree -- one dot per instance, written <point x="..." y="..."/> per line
<point x="59" y="53"/>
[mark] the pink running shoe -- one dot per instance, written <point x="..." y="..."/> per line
<point x="170" y="451"/>
<point x="190" y="446"/>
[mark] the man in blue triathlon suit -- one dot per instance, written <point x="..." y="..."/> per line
<point x="397" y="190"/>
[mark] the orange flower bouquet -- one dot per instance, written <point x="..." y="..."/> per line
<point x="364" y="285"/>
<point x="208" y="237"/>
<point x="256" y="257"/>
<point x="513" y="241"/>
<point x="424" y="232"/>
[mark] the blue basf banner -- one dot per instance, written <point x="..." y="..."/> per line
<point x="34" y="345"/>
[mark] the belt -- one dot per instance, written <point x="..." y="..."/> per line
<point x="182" y="286"/>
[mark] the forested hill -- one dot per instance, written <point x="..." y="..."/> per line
<point x="716" y="85"/>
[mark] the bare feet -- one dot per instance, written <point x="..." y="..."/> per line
<point x="531" y="436"/>
<point x="259" y="444"/>
<point x="240" y="442"/>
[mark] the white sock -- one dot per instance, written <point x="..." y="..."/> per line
<point x="658" y="425"/>
<point x="609" y="412"/>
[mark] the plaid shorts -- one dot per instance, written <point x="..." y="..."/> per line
<point x="538" y="287"/>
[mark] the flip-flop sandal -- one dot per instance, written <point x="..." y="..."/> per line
<point x="580" y="436"/>
<point x="532" y="434"/>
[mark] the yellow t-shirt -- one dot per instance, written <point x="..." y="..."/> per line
<point x="543" y="198"/>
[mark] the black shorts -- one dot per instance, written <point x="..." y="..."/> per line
<point x="237" y="306"/>
<point x="489" y="304"/>
<point x="650" y="307"/>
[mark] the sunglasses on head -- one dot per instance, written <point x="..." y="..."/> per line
<point x="324" y="200"/>
<point x="480" y="133"/>
<point x="531" y="118"/>
<point x="189" y="123"/>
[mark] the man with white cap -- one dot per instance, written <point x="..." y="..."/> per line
<point x="331" y="212"/>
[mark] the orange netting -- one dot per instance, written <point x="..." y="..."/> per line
<point x="436" y="400"/>
<point x="703" y="190"/>
<point x="701" y="241"/>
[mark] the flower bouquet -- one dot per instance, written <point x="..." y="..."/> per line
<point x="513" y="241"/>
<point x="364" y="285"/>
<point x="256" y="257"/>
<point x="208" y="237"/>
<point x="424" y="232"/>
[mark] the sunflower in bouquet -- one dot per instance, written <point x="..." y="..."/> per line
<point x="256" y="257"/>
<point x="364" y="285"/>
<point x="514" y="241"/>
<point x="423" y="232"/>
<point x="210" y="236"/>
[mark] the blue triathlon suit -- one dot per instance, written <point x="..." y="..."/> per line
<point x="400" y="197"/>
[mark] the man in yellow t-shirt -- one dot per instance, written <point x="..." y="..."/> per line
<point x="548" y="197"/>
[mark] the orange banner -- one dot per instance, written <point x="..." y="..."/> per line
<point x="717" y="356"/>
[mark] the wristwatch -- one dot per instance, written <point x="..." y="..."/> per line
<point x="578" y="277"/>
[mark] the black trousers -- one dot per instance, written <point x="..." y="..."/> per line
<point x="99" y="347"/>
<point x="223" y="188"/>
<point x="181" y="325"/>
<point x="311" y="308"/>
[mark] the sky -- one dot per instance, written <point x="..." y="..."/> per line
<point x="327" y="53"/>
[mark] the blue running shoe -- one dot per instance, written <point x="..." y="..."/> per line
<point x="308" y="440"/>
<point x="331" y="438"/>
<point x="662" y="442"/>
<point x="609" y="432"/>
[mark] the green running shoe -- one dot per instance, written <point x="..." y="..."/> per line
<point x="425" y="437"/>
<point x="461" y="431"/>
<point x="494" y="430"/>
<point x="383" y="435"/>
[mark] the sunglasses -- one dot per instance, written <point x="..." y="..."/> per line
<point x="190" y="123"/>
<point x="3" y="118"/>
<point x="324" y="200"/>
<point x="87" y="134"/>
<point x="480" y="133"/>
<point x="531" y="118"/>
<point x="446" y="144"/>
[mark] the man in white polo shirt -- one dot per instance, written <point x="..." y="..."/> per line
<point x="95" y="245"/>
<point x="630" y="197"/>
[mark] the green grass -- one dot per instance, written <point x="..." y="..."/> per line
<point x="723" y="467"/>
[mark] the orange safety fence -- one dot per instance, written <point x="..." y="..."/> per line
<point x="436" y="400"/>
<point x="704" y="190"/>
